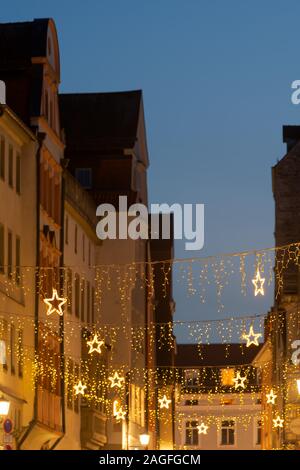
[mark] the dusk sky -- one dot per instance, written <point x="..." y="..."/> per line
<point x="216" y="78"/>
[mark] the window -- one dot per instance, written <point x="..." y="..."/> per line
<point x="76" y="380"/>
<point x="77" y="295"/>
<point x="2" y="158"/>
<point x="20" y="353"/>
<point x="4" y="338"/>
<point x="70" y="384"/>
<point x="1" y="248"/>
<point x="18" y="261"/>
<point x="83" y="247"/>
<point x="84" y="177"/>
<point x="88" y="302"/>
<point x="227" y="377"/>
<point x="228" y="433"/>
<point x="191" y="378"/>
<point x="191" y="433"/>
<point x="46" y="107"/>
<point x="67" y="230"/>
<point x="191" y="402"/>
<point x="2" y="352"/>
<point x="258" y="432"/>
<point x="75" y="238"/>
<point x="93" y="305"/>
<point x="9" y="254"/>
<point x="12" y="348"/>
<point x="11" y="166"/>
<point x="89" y="253"/>
<point x="18" y="173"/>
<point x="82" y="300"/>
<point x="69" y="289"/>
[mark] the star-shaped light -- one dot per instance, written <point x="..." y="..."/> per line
<point x="258" y="283"/>
<point x="55" y="303"/>
<point x="164" y="402"/>
<point x="120" y="414"/>
<point x="95" y="345"/>
<point x="252" y="337"/>
<point x="239" y="382"/>
<point x="271" y="397"/>
<point x="116" y="380"/>
<point x="278" y="422"/>
<point x="202" y="428"/>
<point x="79" y="388"/>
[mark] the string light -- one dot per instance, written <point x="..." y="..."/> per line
<point x="55" y="303"/>
<point x="252" y="337"/>
<point x="95" y="345"/>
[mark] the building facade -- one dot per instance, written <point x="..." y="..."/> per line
<point x="211" y="412"/>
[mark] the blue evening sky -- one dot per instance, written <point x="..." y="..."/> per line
<point x="216" y="78"/>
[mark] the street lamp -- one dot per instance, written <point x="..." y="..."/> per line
<point x="144" y="440"/>
<point x="4" y="408"/>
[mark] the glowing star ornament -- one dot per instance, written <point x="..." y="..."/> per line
<point x="258" y="283"/>
<point x="278" y="422"/>
<point x="95" y="345"/>
<point x="271" y="397"/>
<point x="116" y="380"/>
<point x="202" y="428"/>
<point x="239" y="382"/>
<point x="120" y="414"/>
<point x="164" y="402"/>
<point x="79" y="388"/>
<point x="55" y="303"/>
<point x="252" y="337"/>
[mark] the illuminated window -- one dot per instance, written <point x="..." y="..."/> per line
<point x="227" y="376"/>
<point x="228" y="433"/>
<point x="191" y="378"/>
<point x="191" y="433"/>
<point x="258" y="432"/>
<point x="10" y="166"/>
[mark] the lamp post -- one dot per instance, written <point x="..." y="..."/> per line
<point x="144" y="440"/>
<point x="4" y="408"/>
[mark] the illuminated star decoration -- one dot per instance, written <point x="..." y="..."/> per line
<point x="55" y="303"/>
<point x="278" y="422"/>
<point x="120" y="414"/>
<point x="258" y="283"/>
<point x="271" y="397"/>
<point x="116" y="380"/>
<point x="164" y="402"/>
<point x="239" y="381"/>
<point x="79" y="388"/>
<point x="251" y="337"/>
<point x="95" y="345"/>
<point x="202" y="428"/>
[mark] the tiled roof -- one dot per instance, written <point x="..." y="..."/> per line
<point x="190" y="355"/>
<point x="103" y="120"/>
